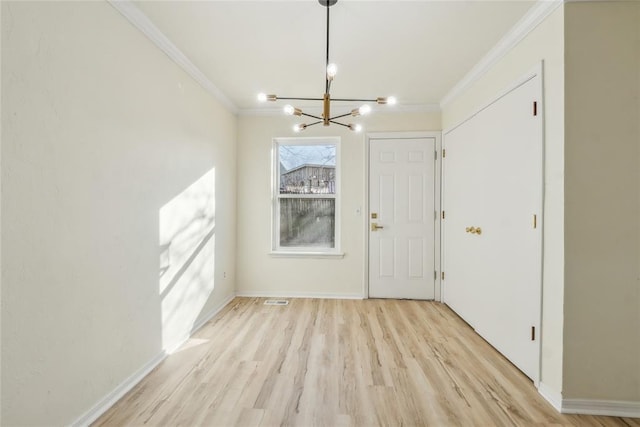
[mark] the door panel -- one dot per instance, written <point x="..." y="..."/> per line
<point x="493" y="180"/>
<point x="401" y="196"/>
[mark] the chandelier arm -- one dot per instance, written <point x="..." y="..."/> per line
<point x="314" y="123"/>
<point x="351" y="100"/>
<point x="340" y="116"/>
<point x="338" y="123"/>
<point x="300" y="99"/>
<point x="312" y="116"/>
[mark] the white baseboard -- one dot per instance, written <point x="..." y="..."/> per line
<point x="286" y="294"/>
<point x="217" y="309"/>
<point x="199" y="324"/>
<point x="107" y="402"/>
<point x="552" y="396"/>
<point x="612" y="408"/>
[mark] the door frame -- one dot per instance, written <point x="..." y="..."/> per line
<point x="437" y="135"/>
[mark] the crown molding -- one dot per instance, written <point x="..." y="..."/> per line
<point x="520" y="30"/>
<point x="139" y="20"/>
<point x="398" y="108"/>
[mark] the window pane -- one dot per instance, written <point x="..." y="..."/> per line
<point x="307" y="169"/>
<point x="307" y="222"/>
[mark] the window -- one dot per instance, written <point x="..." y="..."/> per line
<point x="306" y="202"/>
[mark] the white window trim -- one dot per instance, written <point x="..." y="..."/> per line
<point x="304" y="252"/>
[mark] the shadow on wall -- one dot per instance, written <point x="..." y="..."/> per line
<point x="187" y="255"/>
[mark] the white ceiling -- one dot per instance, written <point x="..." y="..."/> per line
<point x="414" y="50"/>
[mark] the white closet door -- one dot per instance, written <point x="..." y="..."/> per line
<point x="493" y="180"/>
<point x="464" y="206"/>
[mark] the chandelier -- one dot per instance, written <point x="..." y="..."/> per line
<point x="326" y="119"/>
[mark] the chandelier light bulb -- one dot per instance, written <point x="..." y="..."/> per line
<point x="263" y="97"/>
<point x="356" y="128"/>
<point x="365" y="109"/>
<point x="332" y="70"/>
<point x="388" y="100"/>
<point x="299" y="127"/>
<point x="290" y="110"/>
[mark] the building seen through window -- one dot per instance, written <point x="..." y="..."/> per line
<point x="306" y="201"/>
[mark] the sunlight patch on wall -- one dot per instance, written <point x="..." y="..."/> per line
<point x="187" y="254"/>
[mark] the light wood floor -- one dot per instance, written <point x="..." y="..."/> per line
<point x="338" y="363"/>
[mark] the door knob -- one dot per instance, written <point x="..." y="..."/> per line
<point x="473" y="230"/>
<point x="376" y="227"/>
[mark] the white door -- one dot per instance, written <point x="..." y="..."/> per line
<point x="401" y="218"/>
<point x="493" y="180"/>
<point x="463" y="198"/>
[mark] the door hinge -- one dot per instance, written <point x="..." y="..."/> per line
<point x="442" y="214"/>
<point x="533" y="333"/>
<point x="444" y="153"/>
<point x="435" y="215"/>
<point x="435" y="155"/>
<point x="435" y="275"/>
<point x="442" y="275"/>
<point x="535" y="108"/>
<point x="535" y="221"/>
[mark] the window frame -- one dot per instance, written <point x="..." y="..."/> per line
<point x="304" y="251"/>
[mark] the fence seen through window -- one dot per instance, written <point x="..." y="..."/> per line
<point x="306" y="202"/>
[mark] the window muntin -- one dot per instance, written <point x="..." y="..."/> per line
<point x="306" y="202"/>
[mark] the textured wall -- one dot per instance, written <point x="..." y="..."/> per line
<point x="118" y="206"/>
<point x="602" y="187"/>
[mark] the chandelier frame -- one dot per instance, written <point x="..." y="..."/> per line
<point x="326" y="119"/>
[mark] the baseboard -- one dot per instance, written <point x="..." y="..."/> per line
<point x="612" y="408"/>
<point x="287" y="294"/>
<point x="552" y="396"/>
<point x="217" y="309"/>
<point x="199" y="324"/>
<point x="107" y="402"/>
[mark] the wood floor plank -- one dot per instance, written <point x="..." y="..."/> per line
<point x="338" y="363"/>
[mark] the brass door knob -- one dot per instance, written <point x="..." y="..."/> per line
<point x="478" y="230"/>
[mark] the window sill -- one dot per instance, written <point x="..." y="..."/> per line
<point x="320" y="255"/>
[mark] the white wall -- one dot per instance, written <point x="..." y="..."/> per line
<point x="257" y="271"/>
<point x="545" y="43"/>
<point x="602" y="204"/>
<point x="1" y="309"/>
<point x="107" y="147"/>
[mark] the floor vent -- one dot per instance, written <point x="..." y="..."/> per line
<point x="276" y="302"/>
